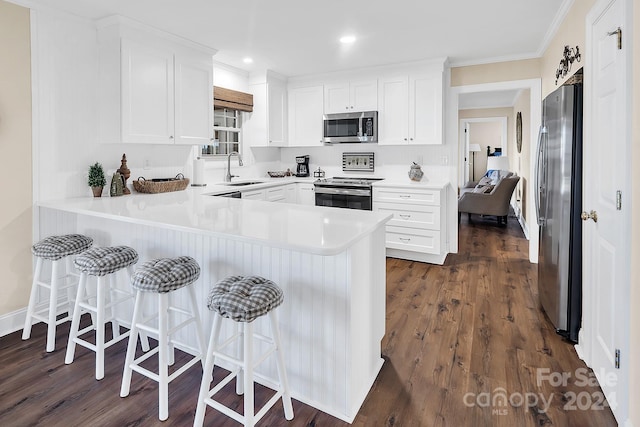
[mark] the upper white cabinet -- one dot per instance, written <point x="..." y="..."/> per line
<point x="154" y="88"/>
<point x="351" y="96"/>
<point x="305" y="116"/>
<point x="410" y="109"/>
<point x="267" y="124"/>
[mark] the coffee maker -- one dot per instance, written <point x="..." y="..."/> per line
<point x="302" y="168"/>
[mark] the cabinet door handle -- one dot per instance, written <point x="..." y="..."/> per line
<point x="405" y="216"/>
<point x="405" y="139"/>
<point x="405" y="196"/>
<point x="410" y="139"/>
<point x="170" y="136"/>
<point x="404" y="239"/>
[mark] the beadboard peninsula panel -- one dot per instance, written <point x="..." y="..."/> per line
<point x="331" y="321"/>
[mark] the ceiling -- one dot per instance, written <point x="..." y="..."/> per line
<point x="297" y="37"/>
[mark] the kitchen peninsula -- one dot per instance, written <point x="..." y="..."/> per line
<point x="329" y="262"/>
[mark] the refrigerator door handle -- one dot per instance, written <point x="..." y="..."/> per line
<point x="539" y="184"/>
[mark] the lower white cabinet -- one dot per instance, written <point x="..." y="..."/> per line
<point x="253" y="195"/>
<point x="306" y="194"/>
<point x="276" y="194"/>
<point x="417" y="230"/>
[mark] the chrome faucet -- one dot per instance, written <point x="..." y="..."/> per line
<point x="228" y="177"/>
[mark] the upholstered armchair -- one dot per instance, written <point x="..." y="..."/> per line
<point x="489" y="199"/>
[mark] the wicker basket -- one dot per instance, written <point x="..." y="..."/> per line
<point x="178" y="183"/>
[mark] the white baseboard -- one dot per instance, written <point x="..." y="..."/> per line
<point x="12" y="322"/>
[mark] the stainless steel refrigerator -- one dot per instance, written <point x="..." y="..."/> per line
<point x="559" y="203"/>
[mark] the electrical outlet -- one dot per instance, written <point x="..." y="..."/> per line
<point x="146" y="164"/>
<point x="445" y="160"/>
<point x="420" y="160"/>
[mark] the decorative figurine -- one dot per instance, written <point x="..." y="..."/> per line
<point x="415" y="173"/>
<point x="126" y="173"/>
<point x="116" y="185"/>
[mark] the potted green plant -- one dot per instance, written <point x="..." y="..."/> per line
<point x="96" y="179"/>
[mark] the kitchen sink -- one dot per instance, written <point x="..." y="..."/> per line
<point x="240" y="184"/>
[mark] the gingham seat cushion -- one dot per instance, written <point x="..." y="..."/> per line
<point x="244" y="298"/>
<point x="166" y="274"/>
<point x="100" y="261"/>
<point x="57" y="247"/>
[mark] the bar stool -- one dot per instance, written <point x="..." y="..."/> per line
<point x="103" y="263"/>
<point x="162" y="276"/>
<point x="58" y="250"/>
<point x="243" y="299"/>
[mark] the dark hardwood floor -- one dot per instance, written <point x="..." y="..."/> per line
<point x="463" y="341"/>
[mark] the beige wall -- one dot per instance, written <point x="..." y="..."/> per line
<point x="15" y="152"/>
<point x="520" y="161"/>
<point x="496" y="72"/>
<point x="571" y="33"/>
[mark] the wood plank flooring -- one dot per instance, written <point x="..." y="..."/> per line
<point x="462" y="340"/>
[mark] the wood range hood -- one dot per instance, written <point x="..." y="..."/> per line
<point x="232" y="99"/>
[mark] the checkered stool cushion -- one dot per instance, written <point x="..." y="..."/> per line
<point x="100" y="261"/>
<point x="244" y="298"/>
<point x="57" y="247"/>
<point x="166" y="274"/>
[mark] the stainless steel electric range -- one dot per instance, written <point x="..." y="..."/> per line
<point x="345" y="191"/>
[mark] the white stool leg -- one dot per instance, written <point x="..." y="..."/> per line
<point x="69" y="279"/>
<point x="75" y="321"/>
<point x="171" y="352"/>
<point x="144" y="338"/>
<point x="196" y="315"/>
<point x="53" y="305"/>
<point x="131" y="346"/>
<point x="26" y="331"/>
<point x="207" y="373"/>
<point x="282" y="373"/>
<point x="113" y="297"/>
<point x="100" y="324"/>
<point x="239" y="329"/>
<point x="249" y="410"/>
<point x="163" y="348"/>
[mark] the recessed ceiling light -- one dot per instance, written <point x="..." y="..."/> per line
<point x="347" y="39"/>
<point x="247" y="60"/>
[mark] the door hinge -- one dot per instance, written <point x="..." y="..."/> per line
<point x="617" y="32"/>
<point x="617" y="360"/>
<point x="619" y="200"/>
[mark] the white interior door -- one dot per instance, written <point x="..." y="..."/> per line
<point x="606" y="171"/>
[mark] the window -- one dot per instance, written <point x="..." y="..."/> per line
<point x="227" y="128"/>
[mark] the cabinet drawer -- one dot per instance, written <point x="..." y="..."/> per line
<point x="404" y="215"/>
<point x="253" y="195"/>
<point x="409" y="196"/>
<point x="276" y="194"/>
<point x="408" y="239"/>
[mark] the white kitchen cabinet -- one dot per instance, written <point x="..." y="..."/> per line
<point x="306" y="194"/>
<point x="351" y="96"/>
<point x="306" y="106"/>
<point x="267" y="124"/>
<point x="291" y="191"/>
<point x="276" y="194"/>
<point x="253" y="195"/>
<point x="153" y="89"/>
<point x="410" y="109"/>
<point x="417" y="230"/>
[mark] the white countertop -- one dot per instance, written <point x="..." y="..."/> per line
<point x="407" y="183"/>
<point x="317" y="230"/>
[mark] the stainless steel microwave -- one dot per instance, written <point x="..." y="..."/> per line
<point x="350" y="127"/>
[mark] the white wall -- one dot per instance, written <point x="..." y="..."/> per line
<point x="65" y="69"/>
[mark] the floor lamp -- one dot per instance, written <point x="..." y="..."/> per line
<point x="474" y="148"/>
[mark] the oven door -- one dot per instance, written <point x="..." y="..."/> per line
<point x="349" y="198"/>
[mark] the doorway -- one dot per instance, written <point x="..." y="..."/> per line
<point x="480" y="137"/>
<point x="460" y="94"/>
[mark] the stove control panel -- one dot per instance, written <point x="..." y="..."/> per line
<point x="359" y="162"/>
